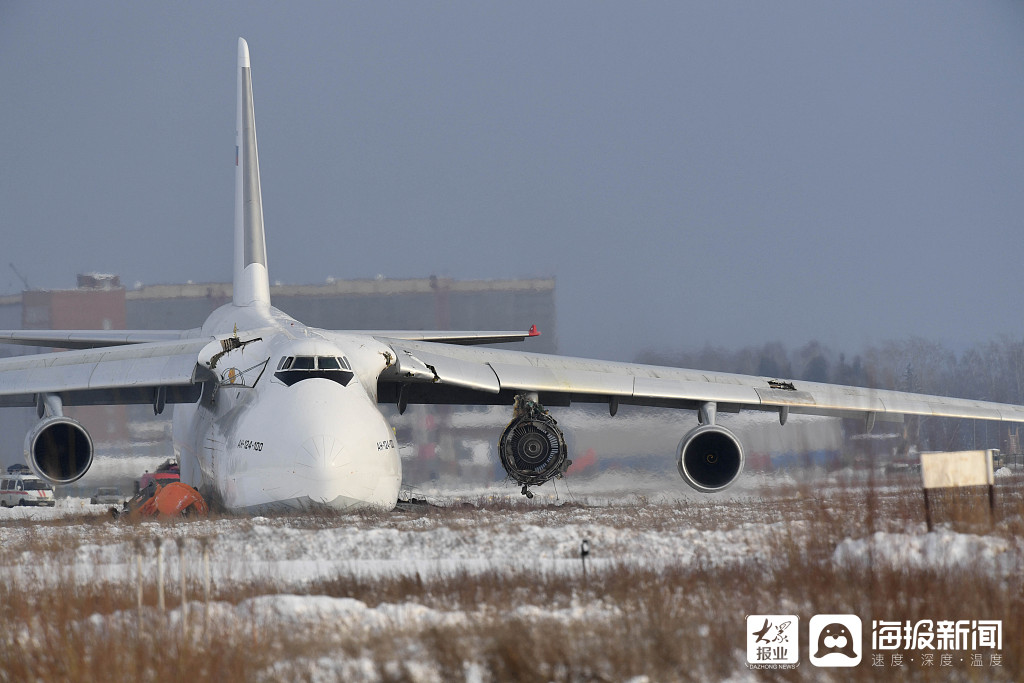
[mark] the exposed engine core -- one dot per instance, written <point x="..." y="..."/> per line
<point x="59" y="449"/>
<point x="532" y="446"/>
<point x="710" y="458"/>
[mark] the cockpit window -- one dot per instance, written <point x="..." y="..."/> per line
<point x="292" y="369"/>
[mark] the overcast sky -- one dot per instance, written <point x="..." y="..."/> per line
<point x="728" y="173"/>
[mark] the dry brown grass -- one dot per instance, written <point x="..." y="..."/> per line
<point x="637" y="616"/>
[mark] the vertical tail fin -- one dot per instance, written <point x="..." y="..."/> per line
<point x="251" y="282"/>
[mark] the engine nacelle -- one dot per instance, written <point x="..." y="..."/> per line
<point x="710" y="458"/>
<point x="59" y="449"/>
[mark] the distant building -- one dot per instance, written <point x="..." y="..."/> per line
<point x="379" y="304"/>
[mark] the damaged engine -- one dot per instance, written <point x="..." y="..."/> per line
<point x="532" y="446"/>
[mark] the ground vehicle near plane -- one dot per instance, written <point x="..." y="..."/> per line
<point x="107" y="495"/>
<point x="20" y="487"/>
<point x="169" y="499"/>
<point x="269" y="412"/>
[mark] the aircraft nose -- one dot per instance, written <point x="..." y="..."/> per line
<point x="313" y="443"/>
<point x="344" y="470"/>
<point x="345" y="454"/>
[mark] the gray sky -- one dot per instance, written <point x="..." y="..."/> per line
<point x="728" y="172"/>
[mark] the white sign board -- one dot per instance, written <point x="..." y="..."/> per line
<point x="957" y="468"/>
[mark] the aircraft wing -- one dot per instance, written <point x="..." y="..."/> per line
<point x="91" y="339"/>
<point x="129" y="373"/>
<point x="466" y="338"/>
<point x="85" y="339"/>
<point x="425" y="372"/>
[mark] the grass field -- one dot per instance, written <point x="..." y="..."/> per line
<point x="494" y="589"/>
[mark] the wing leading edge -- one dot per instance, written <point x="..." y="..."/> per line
<point x="465" y="338"/>
<point x="86" y="339"/>
<point x="129" y="373"/>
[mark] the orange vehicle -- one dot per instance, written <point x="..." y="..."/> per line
<point x="170" y="500"/>
<point x="165" y="474"/>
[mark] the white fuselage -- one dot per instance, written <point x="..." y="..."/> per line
<point x="300" y="436"/>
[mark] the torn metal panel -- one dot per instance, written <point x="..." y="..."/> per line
<point x="423" y="366"/>
<point x="405" y="366"/>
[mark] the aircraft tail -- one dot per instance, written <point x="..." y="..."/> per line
<point x="251" y="281"/>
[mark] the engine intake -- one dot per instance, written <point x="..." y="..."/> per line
<point x="532" y="451"/>
<point x="59" y="449"/>
<point x="710" y="458"/>
<point x="532" y="447"/>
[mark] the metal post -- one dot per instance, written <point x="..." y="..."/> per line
<point x="584" y="551"/>
<point x="181" y="582"/>
<point x="927" y="511"/>
<point x="160" y="576"/>
<point x="992" y="503"/>
<point x="138" y="569"/>
<point x="206" y="586"/>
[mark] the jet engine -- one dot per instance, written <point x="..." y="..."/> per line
<point x="59" y="449"/>
<point x="532" y="446"/>
<point x="710" y="458"/>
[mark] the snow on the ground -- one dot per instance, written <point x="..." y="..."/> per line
<point x="651" y="525"/>
<point x="945" y="549"/>
<point x="293" y="551"/>
<point x="62" y="507"/>
<point x="646" y="525"/>
<point x="254" y="549"/>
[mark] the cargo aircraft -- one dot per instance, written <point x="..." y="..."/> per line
<point x="270" y="413"/>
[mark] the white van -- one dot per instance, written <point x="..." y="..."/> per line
<point x="20" y="487"/>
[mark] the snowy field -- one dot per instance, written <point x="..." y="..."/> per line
<point x="483" y="585"/>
